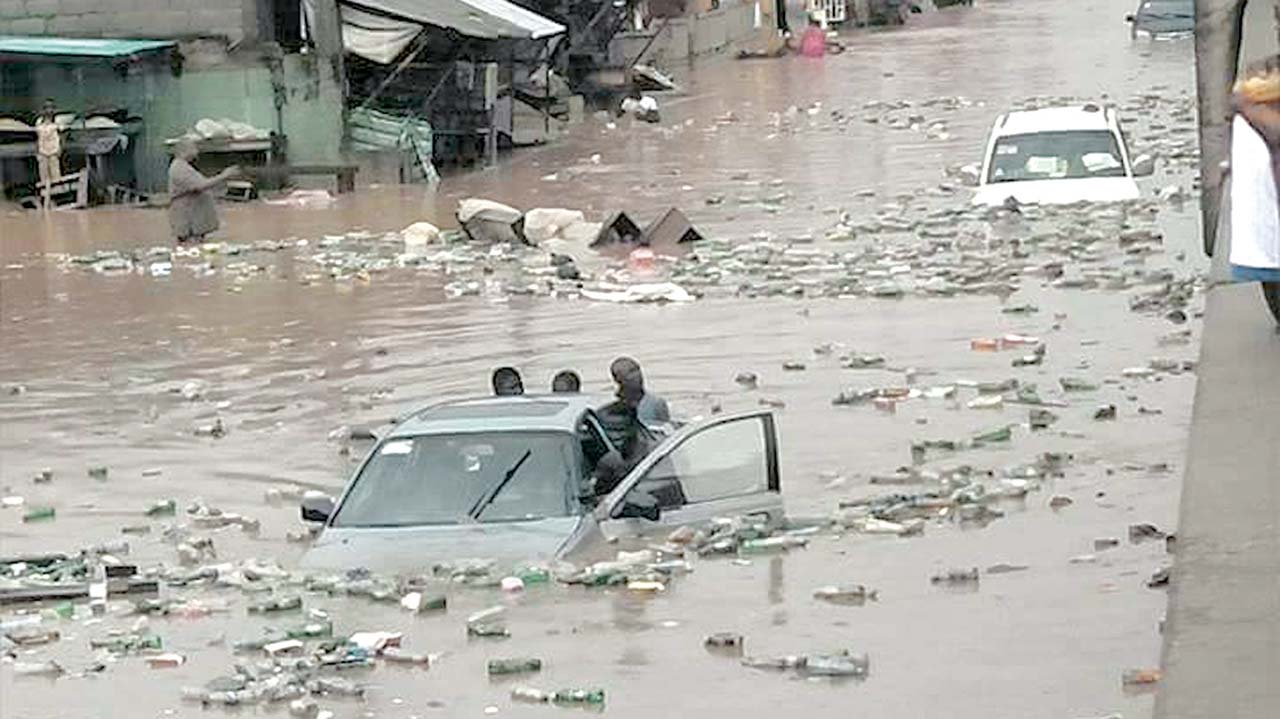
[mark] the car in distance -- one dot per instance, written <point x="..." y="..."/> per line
<point x="1162" y="18"/>
<point x="1058" y="155"/>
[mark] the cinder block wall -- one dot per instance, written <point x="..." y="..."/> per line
<point x="235" y="20"/>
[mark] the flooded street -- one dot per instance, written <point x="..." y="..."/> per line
<point x="94" y="366"/>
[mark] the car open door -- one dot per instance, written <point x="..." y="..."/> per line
<point x="722" y="467"/>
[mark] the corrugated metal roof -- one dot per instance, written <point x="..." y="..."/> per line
<point x="488" y="19"/>
<point x="78" y="47"/>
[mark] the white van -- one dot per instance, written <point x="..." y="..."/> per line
<point x="1059" y="155"/>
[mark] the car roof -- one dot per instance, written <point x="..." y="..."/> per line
<point x="1051" y="119"/>
<point x="521" y="413"/>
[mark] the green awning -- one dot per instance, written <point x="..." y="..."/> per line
<point x="78" y="47"/>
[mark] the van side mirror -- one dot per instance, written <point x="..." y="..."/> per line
<point x="639" y="504"/>
<point x="1144" y="166"/>
<point x="316" y="507"/>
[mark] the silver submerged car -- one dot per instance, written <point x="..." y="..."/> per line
<point x="510" y="478"/>
<point x="1163" y="17"/>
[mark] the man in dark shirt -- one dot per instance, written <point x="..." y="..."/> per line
<point x="651" y="409"/>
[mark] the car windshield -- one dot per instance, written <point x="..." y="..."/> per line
<point x="447" y="479"/>
<point x="1056" y="155"/>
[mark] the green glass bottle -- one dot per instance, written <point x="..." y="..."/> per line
<point x="39" y="514"/>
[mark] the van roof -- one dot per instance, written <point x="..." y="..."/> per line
<point x="1056" y="119"/>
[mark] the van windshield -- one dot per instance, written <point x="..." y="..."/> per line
<point x="453" y="478"/>
<point x="1071" y="154"/>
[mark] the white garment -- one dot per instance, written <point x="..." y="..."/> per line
<point x="48" y="141"/>
<point x="1255" y="211"/>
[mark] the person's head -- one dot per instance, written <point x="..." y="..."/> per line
<point x="1260" y="81"/>
<point x="630" y="379"/>
<point x="49" y="108"/>
<point x="507" y="382"/>
<point x="186" y="149"/>
<point x="566" y="381"/>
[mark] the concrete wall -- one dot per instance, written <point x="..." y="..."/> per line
<point x="236" y="20"/>
<point x="246" y="89"/>
<point x="683" y="39"/>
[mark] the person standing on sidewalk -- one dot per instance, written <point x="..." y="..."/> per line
<point x="192" y="214"/>
<point x="48" y="148"/>
<point x="1255" y="181"/>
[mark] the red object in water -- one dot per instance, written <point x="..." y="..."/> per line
<point x="814" y="42"/>
<point x="641" y="260"/>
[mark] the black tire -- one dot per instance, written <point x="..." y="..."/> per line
<point x="1271" y="291"/>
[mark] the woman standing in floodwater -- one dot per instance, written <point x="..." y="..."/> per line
<point x="191" y="211"/>
<point x="1255" y="183"/>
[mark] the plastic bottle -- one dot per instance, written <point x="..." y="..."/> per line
<point x="724" y="640"/>
<point x="517" y="665"/>
<point x="578" y="696"/>
<point x="397" y="656"/>
<point x="313" y="630"/>
<point x="98" y="590"/>
<point x="848" y="593"/>
<point x="279" y="604"/>
<point x="533" y="575"/>
<point x="41" y="669"/>
<point x="838" y="665"/>
<point x="529" y="694"/>
<point x="771" y="544"/>
<point x="162" y="508"/>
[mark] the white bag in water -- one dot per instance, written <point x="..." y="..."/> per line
<point x="418" y="235"/>
<point x="474" y="207"/>
<point x="543" y="223"/>
<point x="489" y="221"/>
<point x="655" y="292"/>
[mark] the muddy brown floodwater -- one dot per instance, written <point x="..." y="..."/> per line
<point x="283" y="362"/>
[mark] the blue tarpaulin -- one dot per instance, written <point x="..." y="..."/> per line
<point x="78" y="47"/>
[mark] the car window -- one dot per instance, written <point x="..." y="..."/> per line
<point x="725" y="460"/>
<point x="443" y="479"/>
<point x="594" y="445"/>
<point x="1056" y="155"/>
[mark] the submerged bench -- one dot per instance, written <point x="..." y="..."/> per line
<point x="344" y="174"/>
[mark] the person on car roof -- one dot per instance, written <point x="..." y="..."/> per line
<point x="507" y="382"/>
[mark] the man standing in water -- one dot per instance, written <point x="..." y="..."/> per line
<point x="48" y="148"/>
<point x="191" y="211"/>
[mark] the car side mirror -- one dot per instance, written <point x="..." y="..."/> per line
<point x="1144" y="166"/>
<point x="1129" y="18"/>
<point x="970" y="175"/>
<point x="316" y="507"/>
<point x="639" y="504"/>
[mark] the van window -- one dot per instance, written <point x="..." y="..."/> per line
<point x="1071" y="154"/>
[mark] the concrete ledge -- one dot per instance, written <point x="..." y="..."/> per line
<point x="1222" y="635"/>
<point x="689" y="37"/>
